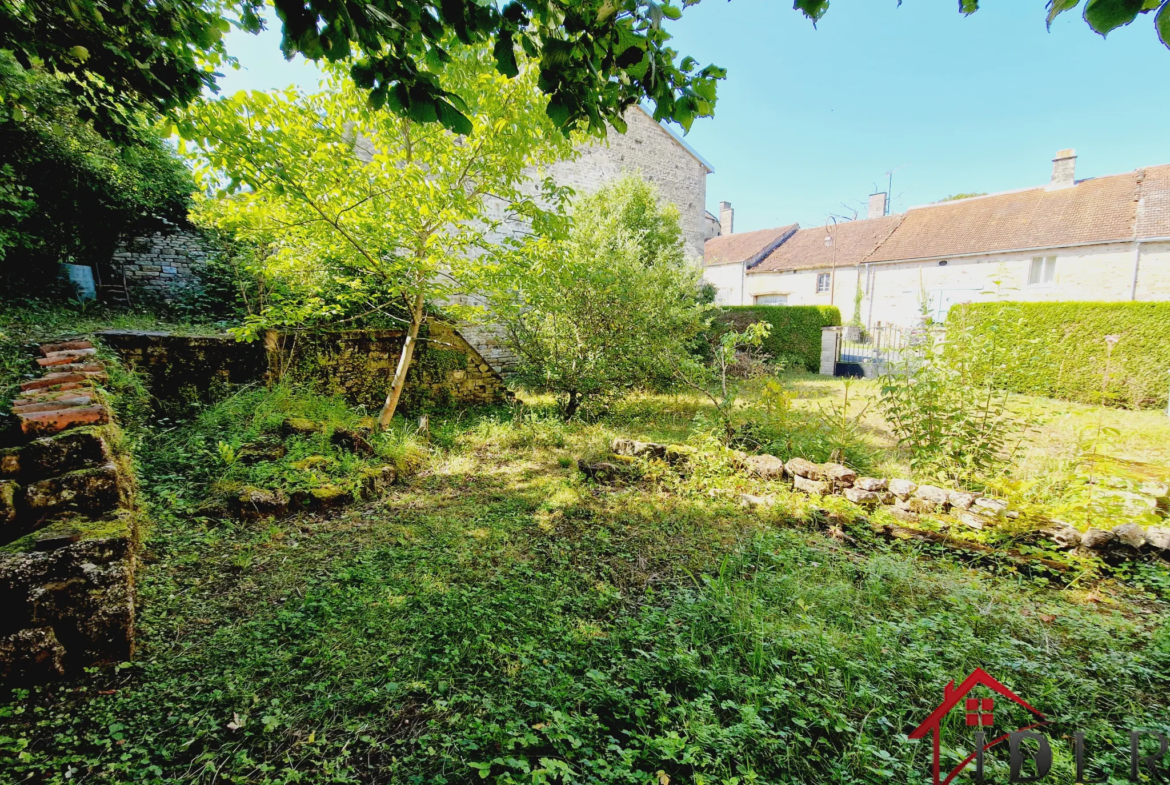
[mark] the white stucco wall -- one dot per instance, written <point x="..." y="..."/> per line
<point x="728" y="282"/>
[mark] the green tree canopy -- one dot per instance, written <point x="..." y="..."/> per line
<point x="351" y="205"/>
<point x="612" y="307"/>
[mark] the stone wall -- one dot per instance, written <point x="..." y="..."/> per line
<point x="356" y="364"/>
<point x="163" y="265"/>
<point x="68" y="531"/>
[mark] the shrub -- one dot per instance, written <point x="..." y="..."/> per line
<point x="1059" y="348"/>
<point x="796" y="329"/>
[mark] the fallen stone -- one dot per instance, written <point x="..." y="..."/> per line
<point x="91" y="491"/>
<point x="886" y="497"/>
<point x="961" y="499"/>
<point x="811" y="487"/>
<point x="376" y="480"/>
<point x="1130" y="534"/>
<point x="1064" y="536"/>
<point x="974" y="520"/>
<point x="753" y="502"/>
<point x="649" y="450"/>
<point x="600" y="471"/>
<point x="679" y="454"/>
<point x="841" y="476"/>
<point x="903" y="489"/>
<point x="351" y="441"/>
<point x="9" y="462"/>
<point x="1158" y="537"/>
<point x="863" y="497"/>
<point x="260" y="452"/>
<point x="871" y="484"/>
<point x="621" y="446"/>
<point x="799" y="467"/>
<point x="31" y="655"/>
<point x="329" y="496"/>
<point x="905" y="516"/>
<point x="940" y="497"/>
<point x="767" y="467"/>
<point x="257" y="503"/>
<point x="69" y="451"/>
<point x="55" y="421"/>
<point x="1097" y="538"/>
<point x="312" y="462"/>
<point x="994" y="508"/>
<point x="299" y="426"/>
<point x="1155" y="488"/>
<point x="9" y="493"/>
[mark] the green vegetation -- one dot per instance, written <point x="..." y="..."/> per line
<point x="613" y="306"/>
<point x="499" y="617"/>
<point x="796" y="329"/>
<point x="1059" y="349"/>
<point x="67" y="194"/>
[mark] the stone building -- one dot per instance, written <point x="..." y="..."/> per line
<point x="1097" y="239"/>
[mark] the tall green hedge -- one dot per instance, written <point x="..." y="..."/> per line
<point x="1059" y="349"/>
<point x="796" y="329"/>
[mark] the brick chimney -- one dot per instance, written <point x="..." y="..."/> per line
<point x="877" y="205"/>
<point x="726" y="218"/>
<point x="1064" y="169"/>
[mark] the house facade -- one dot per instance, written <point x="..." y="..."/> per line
<point x="1097" y="239"/>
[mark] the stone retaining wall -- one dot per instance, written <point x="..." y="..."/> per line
<point x="356" y="364"/>
<point x="164" y="265"/>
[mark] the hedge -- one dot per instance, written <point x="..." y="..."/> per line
<point x="796" y="329"/>
<point x="1059" y="350"/>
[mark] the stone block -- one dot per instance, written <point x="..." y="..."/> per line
<point x="1130" y="534"/>
<point x="767" y="467"/>
<point x="258" y="503"/>
<point x="863" y="497"/>
<point x="903" y="489"/>
<point x="9" y="496"/>
<point x="939" y="497"/>
<point x="799" y="467"/>
<point x="69" y="451"/>
<point x="915" y="505"/>
<point x="31" y="655"/>
<point x="841" y="476"/>
<point x="994" y="508"/>
<point x="871" y="484"/>
<point x="974" y="520"/>
<point x="90" y="491"/>
<point x="809" y="486"/>
<point x="1097" y="538"/>
<point x="961" y="499"/>
<point x="754" y="502"/>
<point x="9" y="463"/>
<point x="1158" y="537"/>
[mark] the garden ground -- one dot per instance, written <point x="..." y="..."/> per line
<point x="498" y="616"/>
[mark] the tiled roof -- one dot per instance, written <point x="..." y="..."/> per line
<point x="747" y="247"/>
<point x="1153" y="212"/>
<point x="852" y="242"/>
<point x="1098" y="210"/>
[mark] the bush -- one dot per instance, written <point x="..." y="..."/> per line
<point x="1060" y="348"/>
<point x="796" y="329"/>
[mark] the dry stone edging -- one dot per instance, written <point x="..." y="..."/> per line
<point x="907" y="500"/>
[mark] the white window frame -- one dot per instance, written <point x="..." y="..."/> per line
<point x="758" y="297"/>
<point x="1047" y="271"/>
<point x="828" y="279"/>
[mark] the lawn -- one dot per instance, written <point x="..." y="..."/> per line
<point x="496" y="616"/>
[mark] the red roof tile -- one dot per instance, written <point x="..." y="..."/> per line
<point x="745" y="246"/>
<point x="852" y="242"/>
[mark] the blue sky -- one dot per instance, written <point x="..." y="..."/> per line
<point x="810" y="120"/>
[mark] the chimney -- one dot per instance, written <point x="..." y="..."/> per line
<point x="726" y="218"/>
<point x="1064" y="170"/>
<point x="877" y="205"/>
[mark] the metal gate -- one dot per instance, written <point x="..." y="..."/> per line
<point x="867" y="353"/>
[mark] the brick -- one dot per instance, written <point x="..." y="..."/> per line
<point x="55" y="421"/>
<point x="67" y="397"/>
<point x="51" y="380"/>
<point x="65" y="346"/>
<point x="83" y="352"/>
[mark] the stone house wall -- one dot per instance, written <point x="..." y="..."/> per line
<point x="162" y="265"/>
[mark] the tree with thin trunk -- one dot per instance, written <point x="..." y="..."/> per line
<point x="358" y="209"/>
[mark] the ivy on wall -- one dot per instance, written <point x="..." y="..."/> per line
<point x="796" y="329"/>
<point x="1060" y="349"/>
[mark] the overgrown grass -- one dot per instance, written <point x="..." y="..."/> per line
<point x="500" y="617"/>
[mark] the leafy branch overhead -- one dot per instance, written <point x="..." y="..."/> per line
<point x="596" y="58"/>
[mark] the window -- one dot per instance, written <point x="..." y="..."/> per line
<point x="1043" y="271"/>
<point x="771" y="299"/>
<point x="822" y="283"/>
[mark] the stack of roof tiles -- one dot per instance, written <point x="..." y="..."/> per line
<point x="64" y="396"/>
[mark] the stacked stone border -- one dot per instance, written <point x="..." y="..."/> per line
<point x="909" y="501"/>
<point x="68" y="530"/>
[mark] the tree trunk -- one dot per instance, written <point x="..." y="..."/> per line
<point x="399" y="382"/>
<point x="573" y="404"/>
